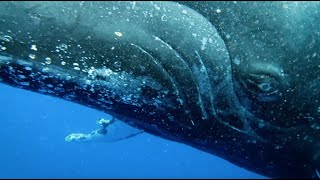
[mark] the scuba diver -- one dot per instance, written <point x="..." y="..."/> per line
<point x="99" y="134"/>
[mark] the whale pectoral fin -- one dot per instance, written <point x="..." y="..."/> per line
<point x="110" y="131"/>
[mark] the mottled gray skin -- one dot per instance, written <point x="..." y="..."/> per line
<point x="164" y="68"/>
<point x="277" y="43"/>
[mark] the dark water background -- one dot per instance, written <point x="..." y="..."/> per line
<point x="32" y="131"/>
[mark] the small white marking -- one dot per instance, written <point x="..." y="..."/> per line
<point x="32" y="56"/>
<point x="184" y="12"/>
<point x="24" y="83"/>
<point x="50" y="85"/>
<point x="34" y="47"/>
<point x="28" y="68"/>
<point x="192" y="122"/>
<point x="21" y="76"/>
<point x="45" y="69"/>
<point x="118" y="34"/>
<point x="77" y="68"/>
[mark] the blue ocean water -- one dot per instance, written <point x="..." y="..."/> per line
<point x="32" y="131"/>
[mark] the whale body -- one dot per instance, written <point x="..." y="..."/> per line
<point x="233" y="81"/>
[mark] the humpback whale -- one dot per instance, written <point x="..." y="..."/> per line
<point x="238" y="80"/>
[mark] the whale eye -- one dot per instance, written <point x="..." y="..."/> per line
<point x="265" y="86"/>
<point x="262" y="86"/>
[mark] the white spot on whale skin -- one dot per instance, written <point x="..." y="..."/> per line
<point x="45" y="69"/>
<point x="28" y="68"/>
<point x="21" y="76"/>
<point x="6" y="38"/>
<point x="119" y="34"/>
<point x="76" y="68"/>
<point x="204" y="43"/>
<point x="63" y="63"/>
<point x="237" y="60"/>
<point x="58" y="89"/>
<point x="62" y="47"/>
<point x="68" y="78"/>
<point x="34" y="47"/>
<point x="3" y="48"/>
<point x="24" y="83"/>
<point x="156" y="7"/>
<point x="50" y="85"/>
<point x="32" y="56"/>
<point x="164" y="18"/>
